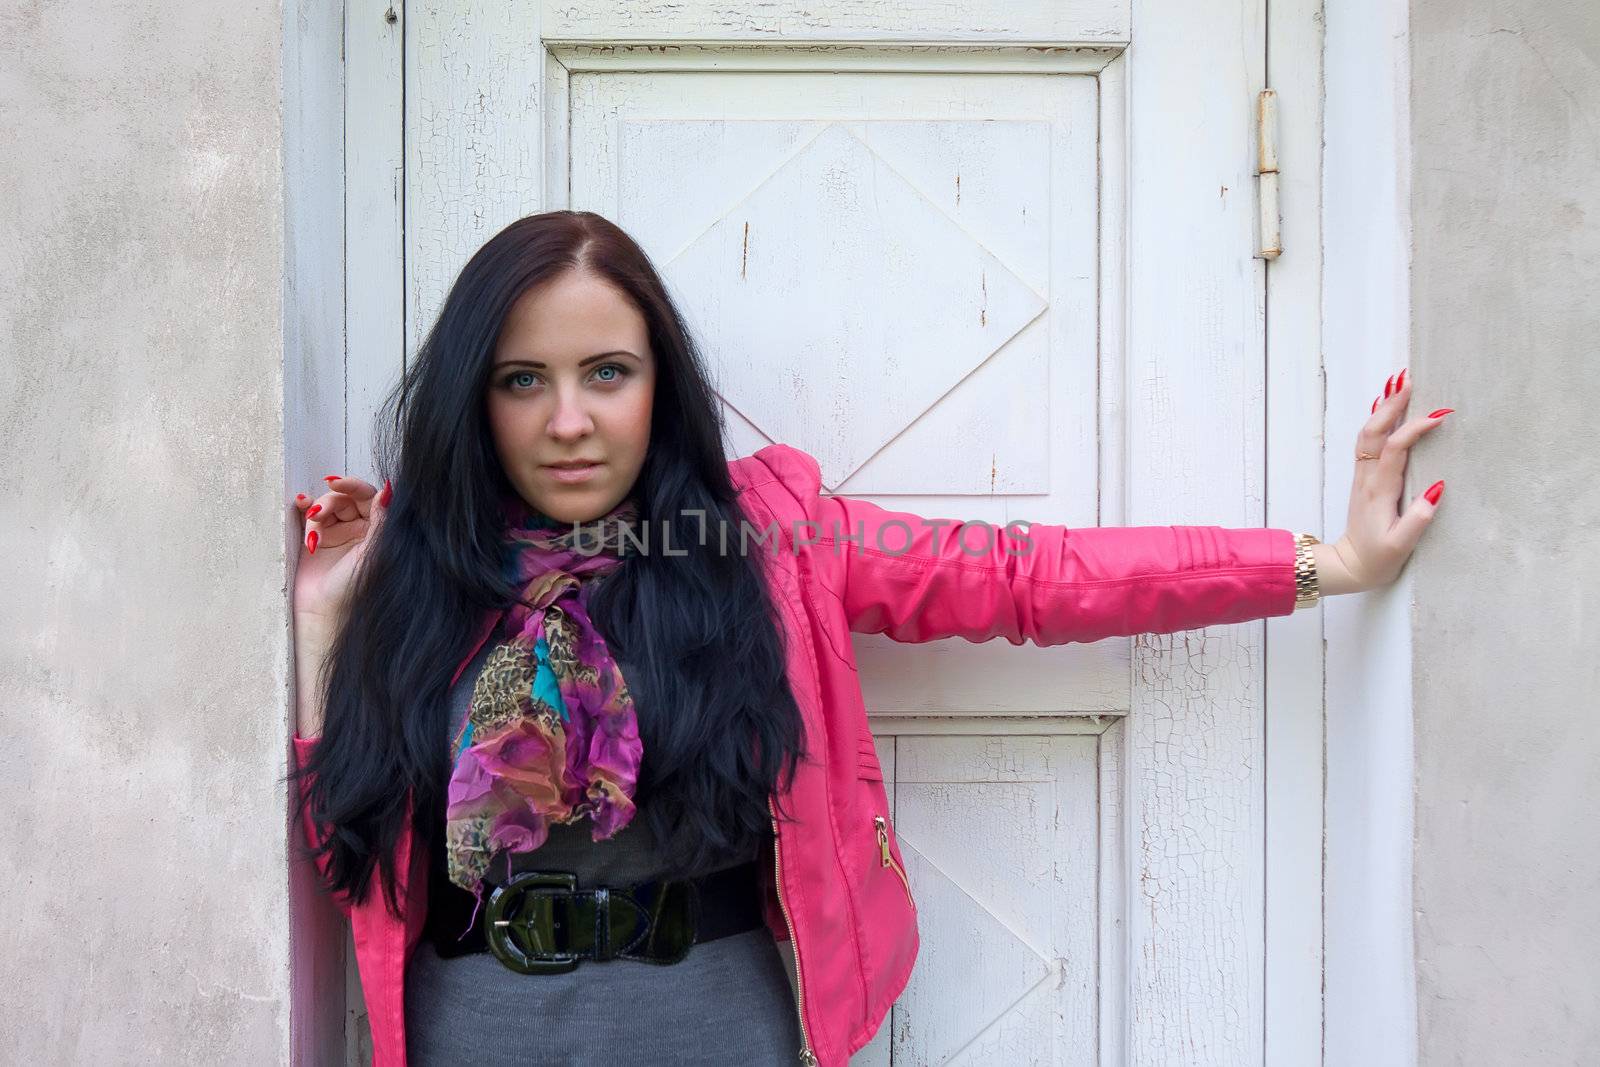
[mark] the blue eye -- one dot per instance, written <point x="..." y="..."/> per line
<point x="619" y="368"/>
<point x="510" y="379"/>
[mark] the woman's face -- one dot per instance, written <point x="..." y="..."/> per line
<point x="573" y="380"/>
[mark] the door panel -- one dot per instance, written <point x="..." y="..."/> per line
<point x="999" y="835"/>
<point x="926" y="298"/>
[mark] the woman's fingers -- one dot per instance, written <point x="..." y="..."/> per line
<point x="355" y="489"/>
<point x="1387" y="410"/>
<point x="333" y="520"/>
<point x="1415" y="519"/>
<point x="1390" y="469"/>
<point x="325" y="516"/>
<point x="342" y="514"/>
<point x="341" y="533"/>
<point x="1383" y="527"/>
<point x="336" y="507"/>
<point x="1382" y="450"/>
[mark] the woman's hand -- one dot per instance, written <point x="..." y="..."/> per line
<point x="337" y="533"/>
<point x="1379" y="537"/>
<point x="335" y="539"/>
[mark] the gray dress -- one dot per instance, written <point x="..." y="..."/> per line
<point x="728" y="1002"/>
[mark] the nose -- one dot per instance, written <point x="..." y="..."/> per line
<point x="569" y="421"/>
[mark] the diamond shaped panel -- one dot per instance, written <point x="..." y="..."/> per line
<point x="834" y="338"/>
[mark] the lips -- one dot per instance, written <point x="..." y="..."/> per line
<point x="572" y="472"/>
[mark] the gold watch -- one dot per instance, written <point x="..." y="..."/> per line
<point x="1306" y="590"/>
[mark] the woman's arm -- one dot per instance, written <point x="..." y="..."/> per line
<point x="918" y="578"/>
<point x="311" y="643"/>
<point x="312" y="639"/>
<point x="1333" y="577"/>
<point x="338" y="529"/>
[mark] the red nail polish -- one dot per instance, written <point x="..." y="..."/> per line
<point x="387" y="494"/>
<point x="1441" y="413"/>
<point x="1400" y="382"/>
<point x="330" y="478"/>
<point x="311" y="542"/>
<point x="1375" y="405"/>
<point x="299" y="496"/>
<point x="314" y="509"/>
<point x="1388" y="386"/>
<point x="1435" y="491"/>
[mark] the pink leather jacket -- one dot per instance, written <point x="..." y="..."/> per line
<point x="838" y="890"/>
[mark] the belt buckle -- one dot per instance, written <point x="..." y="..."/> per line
<point x="520" y="925"/>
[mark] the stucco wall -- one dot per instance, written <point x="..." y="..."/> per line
<point x="1505" y="113"/>
<point x="142" y="645"/>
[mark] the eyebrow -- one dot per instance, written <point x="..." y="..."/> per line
<point x="582" y="362"/>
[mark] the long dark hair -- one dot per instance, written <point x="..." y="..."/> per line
<point x="698" y="632"/>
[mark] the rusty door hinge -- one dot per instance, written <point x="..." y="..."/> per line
<point x="1267" y="175"/>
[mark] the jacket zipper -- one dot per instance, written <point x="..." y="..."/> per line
<point x="807" y="1057"/>
<point x="887" y="859"/>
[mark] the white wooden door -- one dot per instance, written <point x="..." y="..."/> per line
<point x="894" y="266"/>
<point x="991" y="260"/>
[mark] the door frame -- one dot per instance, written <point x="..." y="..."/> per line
<point x="1296" y="499"/>
<point x="367" y="319"/>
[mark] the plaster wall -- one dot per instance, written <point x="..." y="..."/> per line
<point x="143" y="647"/>
<point x="1505" y="203"/>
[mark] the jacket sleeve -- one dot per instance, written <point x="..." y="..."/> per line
<point x="916" y="578"/>
<point x="313" y="836"/>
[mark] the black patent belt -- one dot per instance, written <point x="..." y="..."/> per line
<point x="542" y="922"/>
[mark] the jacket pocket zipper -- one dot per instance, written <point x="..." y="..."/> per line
<point x="888" y="860"/>
<point x="807" y="1057"/>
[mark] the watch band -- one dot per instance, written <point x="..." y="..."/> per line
<point x="1306" y="589"/>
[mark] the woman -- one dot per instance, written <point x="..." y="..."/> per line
<point x="580" y="737"/>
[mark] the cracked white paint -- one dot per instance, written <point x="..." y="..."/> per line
<point x="790" y="22"/>
<point x="1197" y="744"/>
<point x="474" y="139"/>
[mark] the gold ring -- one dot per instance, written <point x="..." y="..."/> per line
<point x="1364" y="455"/>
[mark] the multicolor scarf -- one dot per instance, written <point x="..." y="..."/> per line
<point x="551" y="734"/>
